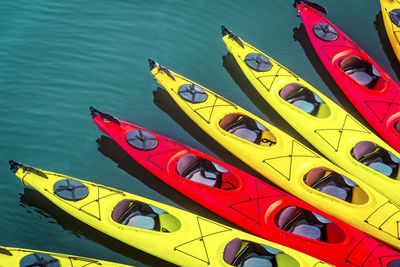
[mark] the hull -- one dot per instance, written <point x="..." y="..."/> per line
<point x="181" y="237"/>
<point x="378" y="100"/>
<point x="285" y="161"/>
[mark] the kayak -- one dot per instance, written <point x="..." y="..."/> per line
<point x="329" y="128"/>
<point x="371" y="90"/>
<point x="391" y="19"/>
<point x="169" y="233"/>
<point x="282" y="159"/>
<point x="32" y="258"/>
<point x="241" y="198"/>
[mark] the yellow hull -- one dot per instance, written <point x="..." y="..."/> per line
<point x="10" y="257"/>
<point x="286" y="162"/>
<point x="392" y="30"/>
<point x="186" y="239"/>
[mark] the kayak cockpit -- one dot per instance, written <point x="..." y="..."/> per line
<point x="206" y="172"/>
<point x="336" y="185"/>
<point x="248" y="129"/>
<point x="304" y="99"/>
<point x="308" y="224"/>
<point x="245" y="254"/>
<point x="145" y="216"/>
<point x="377" y="158"/>
<point x="362" y="71"/>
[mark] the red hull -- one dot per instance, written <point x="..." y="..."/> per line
<point x="250" y="203"/>
<point x="379" y="104"/>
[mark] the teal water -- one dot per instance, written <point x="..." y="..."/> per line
<point x="57" y="58"/>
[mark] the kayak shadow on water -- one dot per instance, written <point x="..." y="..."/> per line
<point x="165" y="102"/>
<point x="300" y="35"/>
<point x="386" y="46"/>
<point x="49" y="210"/>
<point x="109" y="148"/>
<point x="233" y="68"/>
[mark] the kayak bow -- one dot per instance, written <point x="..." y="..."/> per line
<point x="169" y="233"/>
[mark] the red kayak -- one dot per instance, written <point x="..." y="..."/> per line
<point x="245" y="200"/>
<point x="371" y="90"/>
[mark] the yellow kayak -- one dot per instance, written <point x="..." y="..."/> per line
<point x="328" y="127"/>
<point x="282" y="159"/>
<point x="10" y="257"/>
<point x="174" y="235"/>
<point x="391" y="19"/>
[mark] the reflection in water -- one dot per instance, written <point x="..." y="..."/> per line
<point x="48" y="209"/>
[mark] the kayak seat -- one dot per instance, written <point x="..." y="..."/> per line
<point x="302" y="222"/>
<point x="200" y="170"/>
<point x="395" y="17"/>
<point x="330" y="183"/>
<point x="394" y="263"/>
<point x="376" y="158"/>
<point x="244" y="127"/>
<point x="302" y="98"/>
<point x="360" y="70"/>
<point x="247" y="254"/>
<point x="137" y="214"/>
<point x="231" y="250"/>
<point x="325" y="32"/>
<point x="397" y="126"/>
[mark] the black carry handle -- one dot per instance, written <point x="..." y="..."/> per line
<point x="94" y="112"/>
<point x="5" y="251"/>
<point x="313" y="5"/>
<point x="225" y="31"/>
